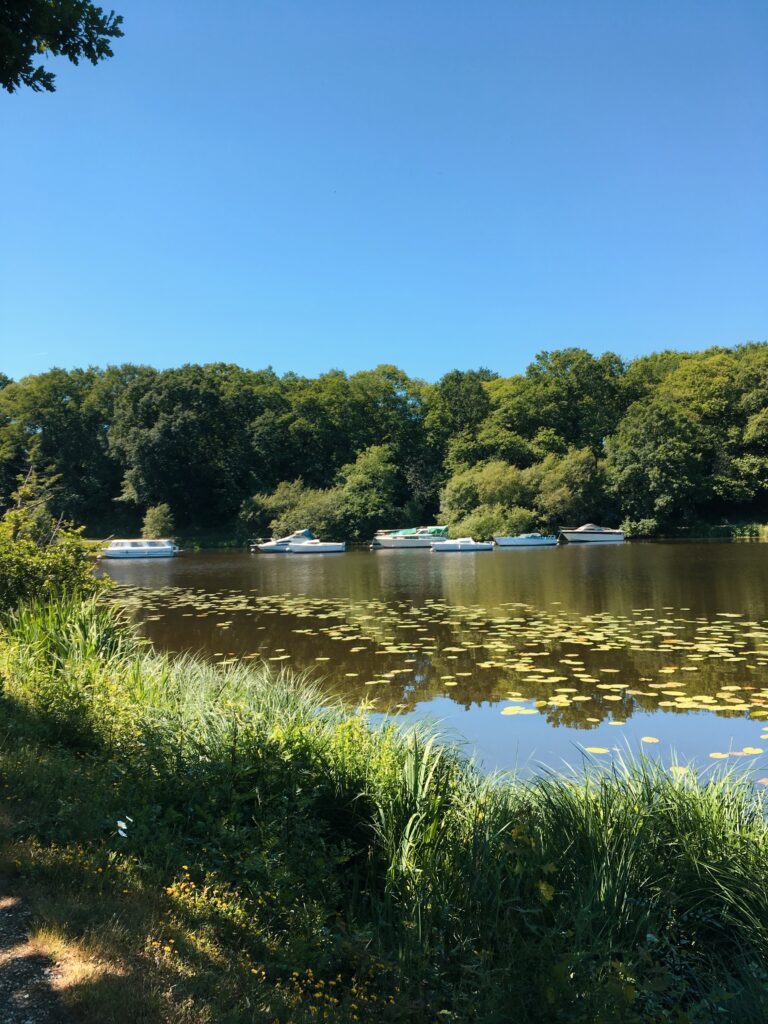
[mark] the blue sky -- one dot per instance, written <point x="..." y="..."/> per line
<point x="434" y="184"/>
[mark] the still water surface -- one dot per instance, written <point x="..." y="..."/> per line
<point x="530" y="656"/>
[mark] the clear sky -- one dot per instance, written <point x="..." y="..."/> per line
<point x="433" y="183"/>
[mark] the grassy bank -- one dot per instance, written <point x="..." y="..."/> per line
<point x="736" y="531"/>
<point x="219" y="845"/>
<point x="699" y="531"/>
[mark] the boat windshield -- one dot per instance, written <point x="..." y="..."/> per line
<point x="412" y="531"/>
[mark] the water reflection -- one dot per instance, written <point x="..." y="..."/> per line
<point x="542" y="648"/>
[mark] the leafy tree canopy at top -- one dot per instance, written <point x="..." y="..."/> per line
<point x="30" y="29"/>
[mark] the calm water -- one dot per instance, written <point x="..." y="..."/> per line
<point x="530" y="656"/>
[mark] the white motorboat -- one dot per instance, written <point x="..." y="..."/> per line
<point x="316" y="547"/>
<point x="527" y="540"/>
<point x="140" y="548"/>
<point x="280" y="546"/>
<point x="301" y="542"/>
<point x="591" y="534"/>
<point x="462" y="544"/>
<point x="414" y="537"/>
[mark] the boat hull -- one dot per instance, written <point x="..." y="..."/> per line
<point x="139" y="554"/>
<point x="574" y="537"/>
<point x="317" y="549"/>
<point x="450" y="546"/>
<point x="308" y="547"/>
<point x="401" y="543"/>
<point x="526" y="542"/>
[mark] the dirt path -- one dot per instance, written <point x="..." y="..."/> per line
<point x="27" y="976"/>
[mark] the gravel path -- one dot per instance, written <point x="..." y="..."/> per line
<point x="27" y="976"/>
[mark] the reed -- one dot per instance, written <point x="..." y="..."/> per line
<point x="289" y="831"/>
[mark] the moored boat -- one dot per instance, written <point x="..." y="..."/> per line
<point x="316" y="547"/>
<point x="406" y="539"/>
<point x="140" y="548"/>
<point x="527" y="540"/>
<point x="302" y="542"/>
<point x="591" y="534"/>
<point x="462" y="544"/>
<point x="280" y="545"/>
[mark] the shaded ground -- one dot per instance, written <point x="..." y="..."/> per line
<point x="28" y="977"/>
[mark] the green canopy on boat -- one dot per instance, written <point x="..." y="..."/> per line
<point x="433" y="531"/>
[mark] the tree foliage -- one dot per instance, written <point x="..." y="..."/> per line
<point x="660" y="462"/>
<point x="158" y="522"/>
<point x="363" y="496"/>
<point x="662" y="441"/>
<point x="31" y="29"/>
<point x="40" y="554"/>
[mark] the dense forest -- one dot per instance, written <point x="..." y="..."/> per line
<point x="662" y="444"/>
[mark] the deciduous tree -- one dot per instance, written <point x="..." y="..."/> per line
<point x="35" y="29"/>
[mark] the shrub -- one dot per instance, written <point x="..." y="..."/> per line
<point x="640" y="527"/>
<point x="29" y="570"/>
<point x="492" y="520"/>
<point x="41" y="556"/>
<point x="158" y="522"/>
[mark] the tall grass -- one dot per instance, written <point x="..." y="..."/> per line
<point x="322" y="841"/>
<point x="736" y="531"/>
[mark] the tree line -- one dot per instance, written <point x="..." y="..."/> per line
<point x="660" y="443"/>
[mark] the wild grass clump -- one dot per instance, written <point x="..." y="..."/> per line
<point x="736" y="531"/>
<point x="331" y="869"/>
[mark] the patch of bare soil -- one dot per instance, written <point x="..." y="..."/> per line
<point x="27" y="975"/>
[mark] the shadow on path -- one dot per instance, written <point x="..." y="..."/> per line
<point x="27" y="976"/>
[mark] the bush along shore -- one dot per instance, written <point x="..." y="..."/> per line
<point x="217" y="844"/>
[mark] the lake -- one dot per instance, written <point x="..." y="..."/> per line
<point x="529" y="657"/>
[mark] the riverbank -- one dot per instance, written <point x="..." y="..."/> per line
<point x="734" y="531"/>
<point x="230" y="537"/>
<point x="217" y="844"/>
<point x="235" y="537"/>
